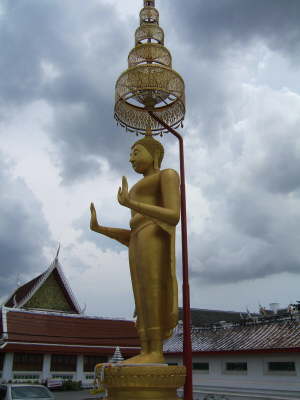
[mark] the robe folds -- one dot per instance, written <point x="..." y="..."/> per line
<point x="144" y="284"/>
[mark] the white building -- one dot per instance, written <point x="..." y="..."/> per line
<point x="256" y="358"/>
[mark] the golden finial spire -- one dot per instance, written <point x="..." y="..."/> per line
<point x="149" y="3"/>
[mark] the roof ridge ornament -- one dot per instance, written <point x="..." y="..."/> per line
<point x="15" y="302"/>
<point x="57" y="253"/>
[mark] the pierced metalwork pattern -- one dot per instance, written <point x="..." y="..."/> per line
<point x="149" y="15"/>
<point x="150" y="53"/>
<point x="151" y="32"/>
<point x="149" y="84"/>
<point x="138" y="120"/>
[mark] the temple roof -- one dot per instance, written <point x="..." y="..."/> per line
<point x="24" y="296"/>
<point x="281" y="335"/>
<point x="57" y="332"/>
<point x="202" y="316"/>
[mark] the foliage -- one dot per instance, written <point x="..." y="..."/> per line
<point x="71" y="385"/>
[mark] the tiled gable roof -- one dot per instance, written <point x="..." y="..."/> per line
<point x="19" y="294"/>
<point x="283" y="335"/>
<point x="24" y="293"/>
<point x="67" y="329"/>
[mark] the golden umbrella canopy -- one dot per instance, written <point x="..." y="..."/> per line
<point x="149" y="83"/>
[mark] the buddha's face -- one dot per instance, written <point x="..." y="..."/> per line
<point x="140" y="158"/>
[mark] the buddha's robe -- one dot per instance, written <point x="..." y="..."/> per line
<point x="152" y="264"/>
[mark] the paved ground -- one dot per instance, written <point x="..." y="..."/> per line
<point x="74" y="395"/>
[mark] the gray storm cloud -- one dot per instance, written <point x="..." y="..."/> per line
<point x="253" y="230"/>
<point x="214" y="27"/>
<point x="241" y="136"/>
<point x="23" y="231"/>
<point x="69" y="56"/>
<point x="250" y="135"/>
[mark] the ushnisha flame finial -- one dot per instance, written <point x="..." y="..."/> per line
<point x="148" y="131"/>
<point x="149" y="83"/>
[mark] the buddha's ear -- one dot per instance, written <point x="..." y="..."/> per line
<point x="155" y="160"/>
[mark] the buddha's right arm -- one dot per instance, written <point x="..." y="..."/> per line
<point x="121" y="235"/>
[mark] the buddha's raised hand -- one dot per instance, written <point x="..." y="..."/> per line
<point x="123" y="195"/>
<point x="94" y="222"/>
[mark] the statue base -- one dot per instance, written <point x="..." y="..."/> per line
<point x="143" y="381"/>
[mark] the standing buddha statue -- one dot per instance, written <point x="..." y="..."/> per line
<point x="154" y="202"/>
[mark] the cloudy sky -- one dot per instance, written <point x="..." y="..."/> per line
<point x="60" y="147"/>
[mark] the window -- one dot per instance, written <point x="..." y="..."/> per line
<point x="62" y="362"/>
<point x="281" y="366"/>
<point x="91" y="361"/>
<point x="236" y="366"/>
<point x="28" y="362"/>
<point x="201" y="366"/>
<point x="1" y="361"/>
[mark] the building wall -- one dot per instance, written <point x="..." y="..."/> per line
<point x="81" y="371"/>
<point x="215" y="384"/>
<point x="255" y="383"/>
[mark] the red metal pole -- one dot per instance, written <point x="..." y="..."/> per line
<point x="187" y="344"/>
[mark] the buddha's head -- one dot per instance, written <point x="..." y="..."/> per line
<point x="146" y="153"/>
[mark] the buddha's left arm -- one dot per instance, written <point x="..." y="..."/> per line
<point x="170" y="211"/>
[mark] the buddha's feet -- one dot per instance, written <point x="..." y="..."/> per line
<point x="148" y="358"/>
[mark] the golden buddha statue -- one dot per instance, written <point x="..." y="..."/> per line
<point x="154" y="202"/>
